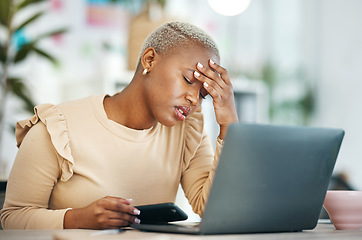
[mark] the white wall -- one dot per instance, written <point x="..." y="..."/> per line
<point x="337" y="27"/>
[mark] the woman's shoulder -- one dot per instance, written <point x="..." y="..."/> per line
<point x="80" y="105"/>
<point x="53" y="116"/>
<point x="54" y="120"/>
<point x="48" y="121"/>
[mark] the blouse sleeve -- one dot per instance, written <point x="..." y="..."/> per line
<point x="199" y="163"/>
<point x="42" y="160"/>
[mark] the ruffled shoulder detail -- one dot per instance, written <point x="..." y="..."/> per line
<point x="56" y="126"/>
<point x="194" y="130"/>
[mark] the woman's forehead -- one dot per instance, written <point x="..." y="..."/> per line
<point x="195" y="53"/>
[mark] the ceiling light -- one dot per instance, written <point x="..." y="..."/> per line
<point x="229" y="7"/>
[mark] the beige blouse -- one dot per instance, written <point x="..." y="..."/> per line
<point x="71" y="155"/>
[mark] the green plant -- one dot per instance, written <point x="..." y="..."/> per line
<point x="12" y="53"/>
<point x="288" y="110"/>
<point x="285" y="107"/>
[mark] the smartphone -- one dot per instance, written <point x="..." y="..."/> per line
<point x="161" y="213"/>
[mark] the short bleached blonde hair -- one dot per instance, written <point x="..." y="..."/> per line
<point x="165" y="38"/>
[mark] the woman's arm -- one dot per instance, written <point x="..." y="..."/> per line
<point x="32" y="178"/>
<point x="197" y="178"/>
<point x="35" y="172"/>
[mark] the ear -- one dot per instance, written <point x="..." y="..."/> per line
<point x="148" y="58"/>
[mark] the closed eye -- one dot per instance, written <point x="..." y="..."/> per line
<point x="188" y="82"/>
<point x="201" y="95"/>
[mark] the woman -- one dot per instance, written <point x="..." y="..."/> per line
<point x="81" y="163"/>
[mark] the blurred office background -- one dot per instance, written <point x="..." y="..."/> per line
<point x="295" y="62"/>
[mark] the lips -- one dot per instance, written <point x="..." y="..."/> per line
<point x="182" y="112"/>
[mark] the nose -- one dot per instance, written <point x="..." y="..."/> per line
<point x="193" y="97"/>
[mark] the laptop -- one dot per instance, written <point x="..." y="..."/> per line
<point x="269" y="179"/>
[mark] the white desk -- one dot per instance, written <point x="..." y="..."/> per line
<point x="322" y="231"/>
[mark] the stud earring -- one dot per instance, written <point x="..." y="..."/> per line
<point x="145" y="71"/>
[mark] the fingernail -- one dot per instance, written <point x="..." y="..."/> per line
<point x="197" y="74"/>
<point x="206" y="85"/>
<point x="200" y="65"/>
<point x="136" y="220"/>
<point x="212" y="62"/>
<point x="136" y="212"/>
<point x="130" y="200"/>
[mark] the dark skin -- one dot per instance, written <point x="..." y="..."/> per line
<point x="173" y="88"/>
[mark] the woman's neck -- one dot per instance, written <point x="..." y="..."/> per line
<point x="129" y="108"/>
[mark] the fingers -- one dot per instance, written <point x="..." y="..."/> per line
<point x="210" y="76"/>
<point x="121" y="205"/>
<point x="217" y="83"/>
<point x="119" y="219"/>
<point x="112" y="212"/>
<point x="111" y="219"/>
<point x="222" y="71"/>
<point x="210" y="85"/>
<point x="116" y="223"/>
<point x="215" y="80"/>
<point x="212" y="89"/>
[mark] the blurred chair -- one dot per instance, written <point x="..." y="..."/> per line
<point x="2" y="196"/>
